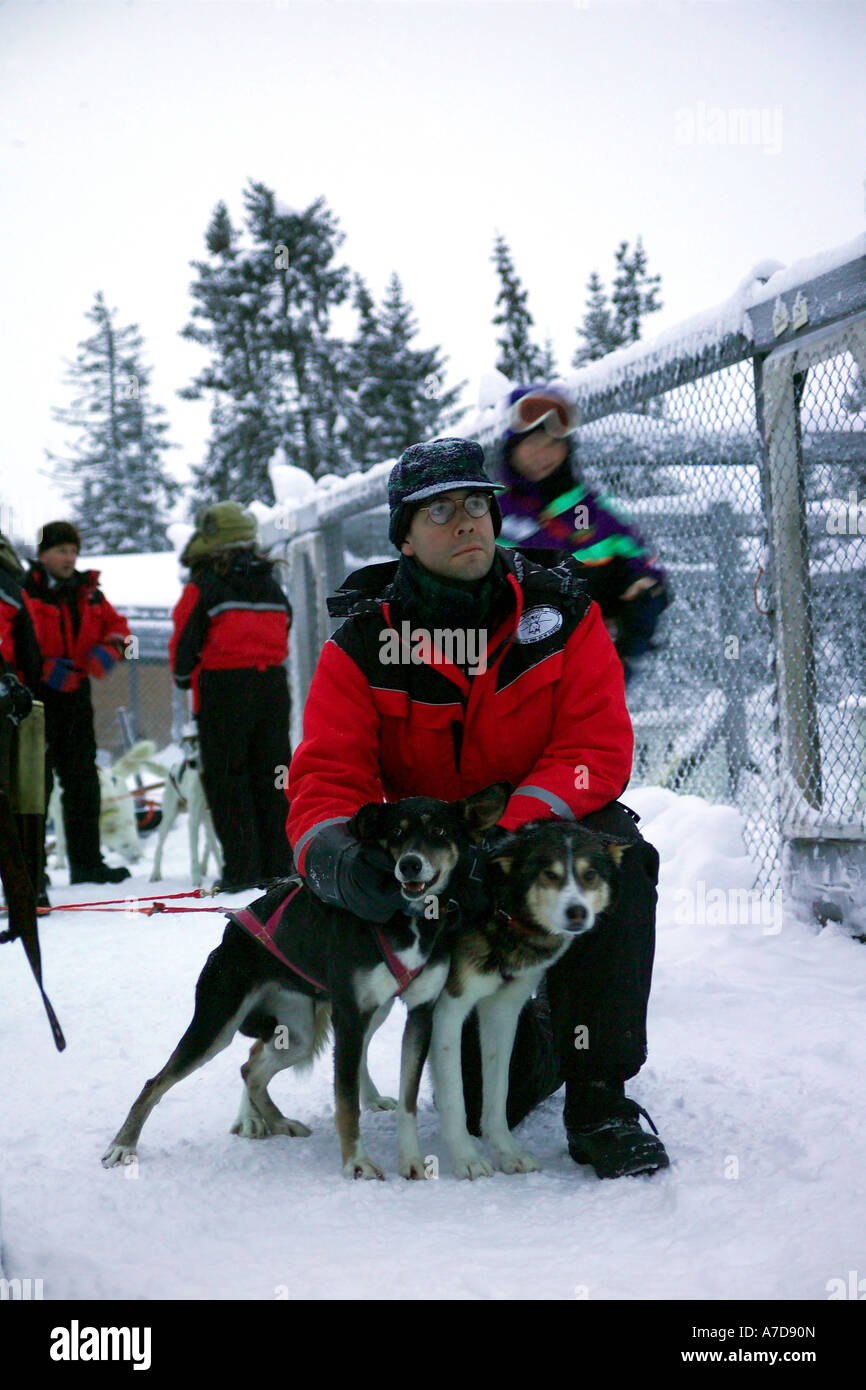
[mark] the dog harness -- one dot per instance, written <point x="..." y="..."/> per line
<point x="264" y="933"/>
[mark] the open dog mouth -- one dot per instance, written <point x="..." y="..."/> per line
<point x="418" y="887"/>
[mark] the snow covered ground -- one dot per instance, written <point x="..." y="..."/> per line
<point x="757" y="1054"/>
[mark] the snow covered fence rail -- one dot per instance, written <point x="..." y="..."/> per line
<point x="739" y="439"/>
<point x="308" y="527"/>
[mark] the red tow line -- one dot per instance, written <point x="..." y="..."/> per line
<point x="126" y="904"/>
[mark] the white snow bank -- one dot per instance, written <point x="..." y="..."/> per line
<point x="756" y="1050"/>
<point x="138" y="581"/>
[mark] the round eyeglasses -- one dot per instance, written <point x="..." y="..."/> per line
<point x="444" y="509"/>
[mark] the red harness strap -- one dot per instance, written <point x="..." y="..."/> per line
<point x="265" y="934"/>
<point x="403" y="976"/>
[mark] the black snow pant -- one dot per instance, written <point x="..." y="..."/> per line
<point x="588" y="1022"/>
<point x="70" y="754"/>
<point x="243" y="725"/>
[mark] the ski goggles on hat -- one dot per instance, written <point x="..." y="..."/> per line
<point x="542" y="408"/>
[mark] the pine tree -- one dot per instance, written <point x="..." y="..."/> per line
<point x="597" y="328"/>
<point x="548" y="366"/>
<point x="395" y="391"/>
<point x="275" y="369"/>
<point x="610" y="324"/>
<point x="115" y="478"/>
<point x="634" y="294"/>
<point x="519" y="359"/>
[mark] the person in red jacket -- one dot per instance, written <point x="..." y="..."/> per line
<point x="20" y="678"/>
<point x="81" y="636"/>
<point x="533" y="695"/>
<point x="229" y="646"/>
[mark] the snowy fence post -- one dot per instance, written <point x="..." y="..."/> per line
<point x="334" y="560"/>
<point x="821" y="816"/>
<point x="725" y="545"/>
<point x="781" y="389"/>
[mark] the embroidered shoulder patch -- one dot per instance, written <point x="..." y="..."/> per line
<point x="538" y="623"/>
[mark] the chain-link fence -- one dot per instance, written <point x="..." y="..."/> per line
<point x="138" y="700"/>
<point x="739" y="448"/>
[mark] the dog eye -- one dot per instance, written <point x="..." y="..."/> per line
<point x="590" y="875"/>
<point x="550" y="876"/>
<point x="438" y="832"/>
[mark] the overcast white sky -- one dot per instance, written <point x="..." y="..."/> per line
<point x="428" y="127"/>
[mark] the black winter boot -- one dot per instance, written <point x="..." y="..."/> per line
<point x="603" y="1129"/>
<point x="96" y="873"/>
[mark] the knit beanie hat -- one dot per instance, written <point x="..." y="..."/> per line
<point x="57" y="533"/>
<point x="425" y="470"/>
<point x="224" y="526"/>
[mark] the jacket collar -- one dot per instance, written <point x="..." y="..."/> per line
<point x="81" y="578"/>
<point x="543" y="575"/>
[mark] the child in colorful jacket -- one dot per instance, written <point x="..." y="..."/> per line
<point x="547" y="506"/>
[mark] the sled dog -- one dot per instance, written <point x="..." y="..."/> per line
<point x="184" y="792"/>
<point x="551" y="881"/>
<point x="289" y="963"/>
<point x="118" y="829"/>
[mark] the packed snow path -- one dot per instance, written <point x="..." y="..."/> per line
<point x="757" y="1054"/>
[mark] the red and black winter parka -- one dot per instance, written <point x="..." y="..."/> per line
<point x="19" y="649"/>
<point x="97" y="645"/>
<point x="228" y="619"/>
<point x="547" y="713"/>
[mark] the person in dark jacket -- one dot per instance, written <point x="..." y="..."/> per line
<point x="548" y="506"/>
<point x="229" y="646"/>
<point x="81" y="636"/>
<point x="544" y="710"/>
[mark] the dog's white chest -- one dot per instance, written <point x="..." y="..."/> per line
<point x="429" y="985"/>
<point x="374" y="987"/>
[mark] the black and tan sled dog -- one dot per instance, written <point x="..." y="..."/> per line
<point x="551" y="881"/>
<point x="289" y="964"/>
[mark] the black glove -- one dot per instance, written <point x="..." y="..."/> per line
<point x="636" y="622"/>
<point x="469" y="887"/>
<point x="16" y="702"/>
<point x="359" y="878"/>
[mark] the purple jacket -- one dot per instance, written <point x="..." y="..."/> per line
<point x="561" y="514"/>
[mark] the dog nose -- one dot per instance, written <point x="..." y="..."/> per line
<point x="410" y="866"/>
<point x="575" y="913"/>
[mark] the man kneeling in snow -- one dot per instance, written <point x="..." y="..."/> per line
<point x="545" y="710"/>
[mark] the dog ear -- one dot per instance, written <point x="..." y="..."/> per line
<point x="368" y="824"/>
<point x="617" y="848"/>
<point x="483" y="809"/>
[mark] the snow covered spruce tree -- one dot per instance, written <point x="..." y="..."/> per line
<point x="264" y="311"/>
<point x="610" y="324"/>
<point x="519" y="358"/>
<point x="114" y="477"/>
<point x="280" y="377"/>
<point x="614" y="322"/>
<point x="394" y="394"/>
<point x="231" y="293"/>
<point x="597" y="329"/>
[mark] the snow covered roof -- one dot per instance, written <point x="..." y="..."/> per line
<point x="152" y="580"/>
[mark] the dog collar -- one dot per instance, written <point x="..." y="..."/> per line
<point x="513" y="922"/>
